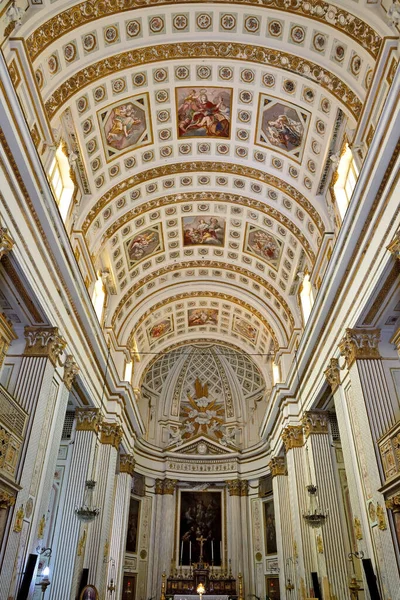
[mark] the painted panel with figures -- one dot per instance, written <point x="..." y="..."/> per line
<point x="144" y="244"/>
<point x="160" y="329"/>
<point x="262" y="244"/>
<point x="204" y="112"/>
<point x="202" y="316"/>
<point x="203" y="231"/>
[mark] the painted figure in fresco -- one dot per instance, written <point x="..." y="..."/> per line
<point x="285" y="131"/>
<point x="203" y="316"/>
<point x="138" y="246"/>
<point x="265" y="245"/>
<point x="206" y="232"/>
<point x="159" y="329"/>
<point x="198" y="112"/>
<point x="123" y="123"/>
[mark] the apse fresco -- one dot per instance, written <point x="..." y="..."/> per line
<point x="157" y="331"/>
<point x="202" y="316"/>
<point x="203" y="112"/>
<point x="125" y="125"/>
<point x="203" y="231"/>
<point x="200" y="523"/>
<point x="144" y="244"/>
<point x="282" y="126"/>
<point x="262" y="244"/>
<point x="244" y="328"/>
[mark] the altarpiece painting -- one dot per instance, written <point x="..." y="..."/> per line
<point x="133" y="525"/>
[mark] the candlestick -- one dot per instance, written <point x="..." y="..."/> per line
<point x="212" y="550"/>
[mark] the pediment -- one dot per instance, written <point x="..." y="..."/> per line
<point x="201" y="446"/>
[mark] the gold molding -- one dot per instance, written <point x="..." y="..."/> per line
<point x="201" y="167"/>
<point x="394" y="246"/>
<point x="332" y="374"/>
<point x="25" y="296"/>
<point x="111" y="434"/>
<point x="293" y="437"/>
<point x="87" y="12"/>
<point x="44" y="341"/>
<point x="198" y="50"/>
<point x="383" y="292"/>
<point x="88" y="419"/>
<point x="126" y="464"/>
<point x="71" y="370"/>
<point x="277" y="466"/>
<point x="360" y="344"/>
<point x="6" y="242"/>
<point x="315" y="422"/>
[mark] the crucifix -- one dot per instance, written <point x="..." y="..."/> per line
<point x="201" y="539"/>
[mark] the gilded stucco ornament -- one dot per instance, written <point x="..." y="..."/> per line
<point x="360" y="344"/>
<point x="88" y="419"/>
<point x="393" y="503"/>
<point x="357" y="529"/>
<point x="126" y="463"/>
<point x="315" y="422"/>
<point x="234" y="487"/>
<point x="6" y="500"/>
<point x="6" y="242"/>
<point x="44" y="341"/>
<point x="7" y="335"/>
<point x="19" y="519"/>
<point x="332" y="374"/>
<point x="71" y="370"/>
<point x="111" y="434"/>
<point x="380" y="517"/>
<point x="277" y="466"/>
<point x="292" y="437"/>
<point x="394" y="246"/>
<point x="165" y="486"/>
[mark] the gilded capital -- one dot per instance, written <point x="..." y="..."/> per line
<point x="6" y="500"/>
<point x="244" y="487"/>
<point x="7" y="335"/>
<point x="88" y="419"/>
<point x="332" y="374"/>
<point x="292" y="437"/>
<point x="126" y="464"/>
<point x="44" y="341"/>
<point x="315" y="421"/>
<point x="360" y="343"/>
<point x="396" y="341"/>
<point x="394" y="246"/>
<point x="6" y="242"/>
<point x="159" y="487"/>
<point x="165" y="486"/>
<point x="393" y="503"/>
<point x="71" y="370"/>
<point x="234" y="487"/>
<point x="277" y="466"/>
<point x="111" y="433"/>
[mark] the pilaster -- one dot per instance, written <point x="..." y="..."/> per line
<point x="72" y="532"/>
<point x="120" y="521"/>
<point x="97" y="547"/>
<point x="329" y="539"/>
<point x="234" y="516"/>
<point x="163" y="539"/>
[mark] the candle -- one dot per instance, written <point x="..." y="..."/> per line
<point x="190" y="553"/>
<point x="212" y="551"/>
<point x="181" y="551"/>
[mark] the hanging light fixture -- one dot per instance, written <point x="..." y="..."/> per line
<point x="87" y="512"/>
<point x="315" y="517"/>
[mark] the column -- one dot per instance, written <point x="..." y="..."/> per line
<point x="235" y="550"/>
<point x="120" y="521"/>
<point x="166" y="539"/>
<point x="246" y="567"/>
<point x="156" y="535"/>
<point x="329" y="539"/>
<point x="303" y="550"/>
<point x="371" y="414"/>
<point x="97" y="547"/>
<point x="283" y="520"/>
<point x="36" y="393"/>
<point x="72" y="534"/>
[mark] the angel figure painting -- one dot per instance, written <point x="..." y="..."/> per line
<point x="244" y="328"/>
<point x="282" y="126"/>
<point x="204" y="112"/>
<point x="262" y="244"/>
<point x="160" y="329"/>
<point x="202" y="316"/>
<point x="143" y="245"/>
<point x="125" y="125"/>
<point x="203" y="231"/>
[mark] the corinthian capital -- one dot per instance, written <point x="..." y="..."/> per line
<point x="71" y="370"/>
<point x="44" y="341"/>
<point x="111" y="433"/>
<point x="394" y="246"/>
<point x="360" y="343"/>
<point x="6" y="500"/>
<point x="277" y="466"/>
<point x="234" y="487"/>
<point x="292" y="437"/>
<point x="126" y="463"/>
<point x="315" y="421"/>
<point x="7" y="335"/>
<point x="332" y="374"/>
<point x="6" y="242"/>
<point x="88" y="419"/>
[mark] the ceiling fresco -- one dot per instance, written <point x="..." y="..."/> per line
<point x="201" y="135"/>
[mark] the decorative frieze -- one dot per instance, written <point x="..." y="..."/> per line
<point x="292" y="437"/>
<point x="126" y="464"/>
<point x="71" y="370"/>
<point x="277" y="466"/>
<point x="6" y="500"/>
<point x="111" y="433"/>
<point x="332" y="374"/>
<point x="7" y="335"/>
<point x="360" y="343"/>
<point x="44" y="341"/>
<point x="6" y="242"/>
<point x="165" y="486"/>
<point x="315" y="422"/>
<point x="394" y="246"/>
<point x="88" y="419"/>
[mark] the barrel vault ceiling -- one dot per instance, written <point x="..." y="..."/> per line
<point x="201" y="135"/>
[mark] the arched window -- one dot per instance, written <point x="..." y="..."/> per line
<point x="306" y="298"/>
<point x="61" y="182"/>
<point x="98" y="297"/>
<point x="347" y="174"/>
